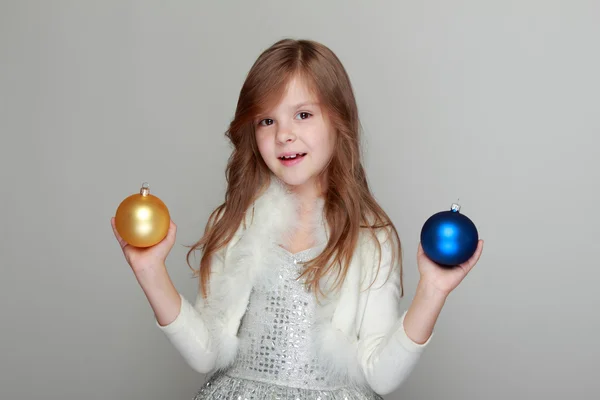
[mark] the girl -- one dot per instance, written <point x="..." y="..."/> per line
<point x="300" y="276"/>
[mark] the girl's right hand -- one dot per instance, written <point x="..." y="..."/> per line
<point x="146" y="259"/>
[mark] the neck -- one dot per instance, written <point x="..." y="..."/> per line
<point x="309" y="205"/>
<point x="299" y="218"/>
<point x="308" y="195"/>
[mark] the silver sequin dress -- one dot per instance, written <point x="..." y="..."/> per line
<point x="274" y="360"/>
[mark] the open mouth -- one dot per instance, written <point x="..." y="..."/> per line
<point x="292" y="156"/>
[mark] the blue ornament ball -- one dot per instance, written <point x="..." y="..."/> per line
<point x="449" y="238"/>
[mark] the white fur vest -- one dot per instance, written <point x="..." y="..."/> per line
<point x="359" y="331"/>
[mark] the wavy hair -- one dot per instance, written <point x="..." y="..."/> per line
<point x="349" y="205"/>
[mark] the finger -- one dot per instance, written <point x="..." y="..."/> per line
<point x="122" y="242"/>
<point x="171" y="233"/>
<point x="474" y="258"/>
<point x="172" y="229"/>
<point x="420" y="250"/>
<point x="478" y="251"/>
<point x="470" y="263"/>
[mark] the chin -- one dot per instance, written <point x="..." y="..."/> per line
<point x="295" y="181"/>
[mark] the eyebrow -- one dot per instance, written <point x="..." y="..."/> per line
<point x="306" y="103"/>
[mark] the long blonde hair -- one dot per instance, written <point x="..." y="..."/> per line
<point x="349" y="204"/>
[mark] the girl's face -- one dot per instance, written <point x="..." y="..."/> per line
<point x="295" y="138"/>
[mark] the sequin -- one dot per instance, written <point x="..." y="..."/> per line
<point x="275" y="358"/>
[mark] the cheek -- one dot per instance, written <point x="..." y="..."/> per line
<point x="265" y="148"/>
<point x="323" y="140"/>
<point x="261" y="143"/>
<point x="329" y="144"/>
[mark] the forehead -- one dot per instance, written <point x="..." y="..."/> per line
<point x="298" y="87"/>
<point x="297" y="90"/>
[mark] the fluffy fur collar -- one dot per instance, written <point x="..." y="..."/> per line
<point x="237" y="269"/>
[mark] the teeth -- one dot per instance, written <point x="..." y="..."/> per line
<point x="291" y="157"/>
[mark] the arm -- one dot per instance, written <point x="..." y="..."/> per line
<point x="180" y="321"/>
<point x="189" y="334"/>
<point x="389" y="350"/>
<point x="174" y="315"/>
<point x="160" y="292"/>
<point x="422" y="315"/>
<point x="391" y="341"/>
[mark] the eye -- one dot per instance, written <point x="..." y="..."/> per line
<point x="266" y="122"/>
<point x="304" y="115"/>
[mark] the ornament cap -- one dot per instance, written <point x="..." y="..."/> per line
<point x="455" y="207"/>
<point x="145" y="189"/>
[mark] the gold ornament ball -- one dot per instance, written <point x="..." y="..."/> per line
<point x="142" y="219"/>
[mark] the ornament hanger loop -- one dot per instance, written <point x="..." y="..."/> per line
<point x="456" y="206"/>
<point x="145" y="189"/>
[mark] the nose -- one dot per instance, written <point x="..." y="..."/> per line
<point x="285" y="135"/>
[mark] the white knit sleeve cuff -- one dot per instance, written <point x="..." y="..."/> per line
<point x="180" y="321"/>
<point x="405" y="341"/>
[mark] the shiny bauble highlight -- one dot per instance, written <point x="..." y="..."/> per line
<point x="449" y="238"/>
<point x="142" y="219"/>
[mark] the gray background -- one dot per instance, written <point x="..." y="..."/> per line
<point x="492" y="102"/>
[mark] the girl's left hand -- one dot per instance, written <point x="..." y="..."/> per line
<point x="444" y="279"/>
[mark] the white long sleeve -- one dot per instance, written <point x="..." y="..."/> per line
<point x="386" y="354"/>
<point x="191" y="337"/>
